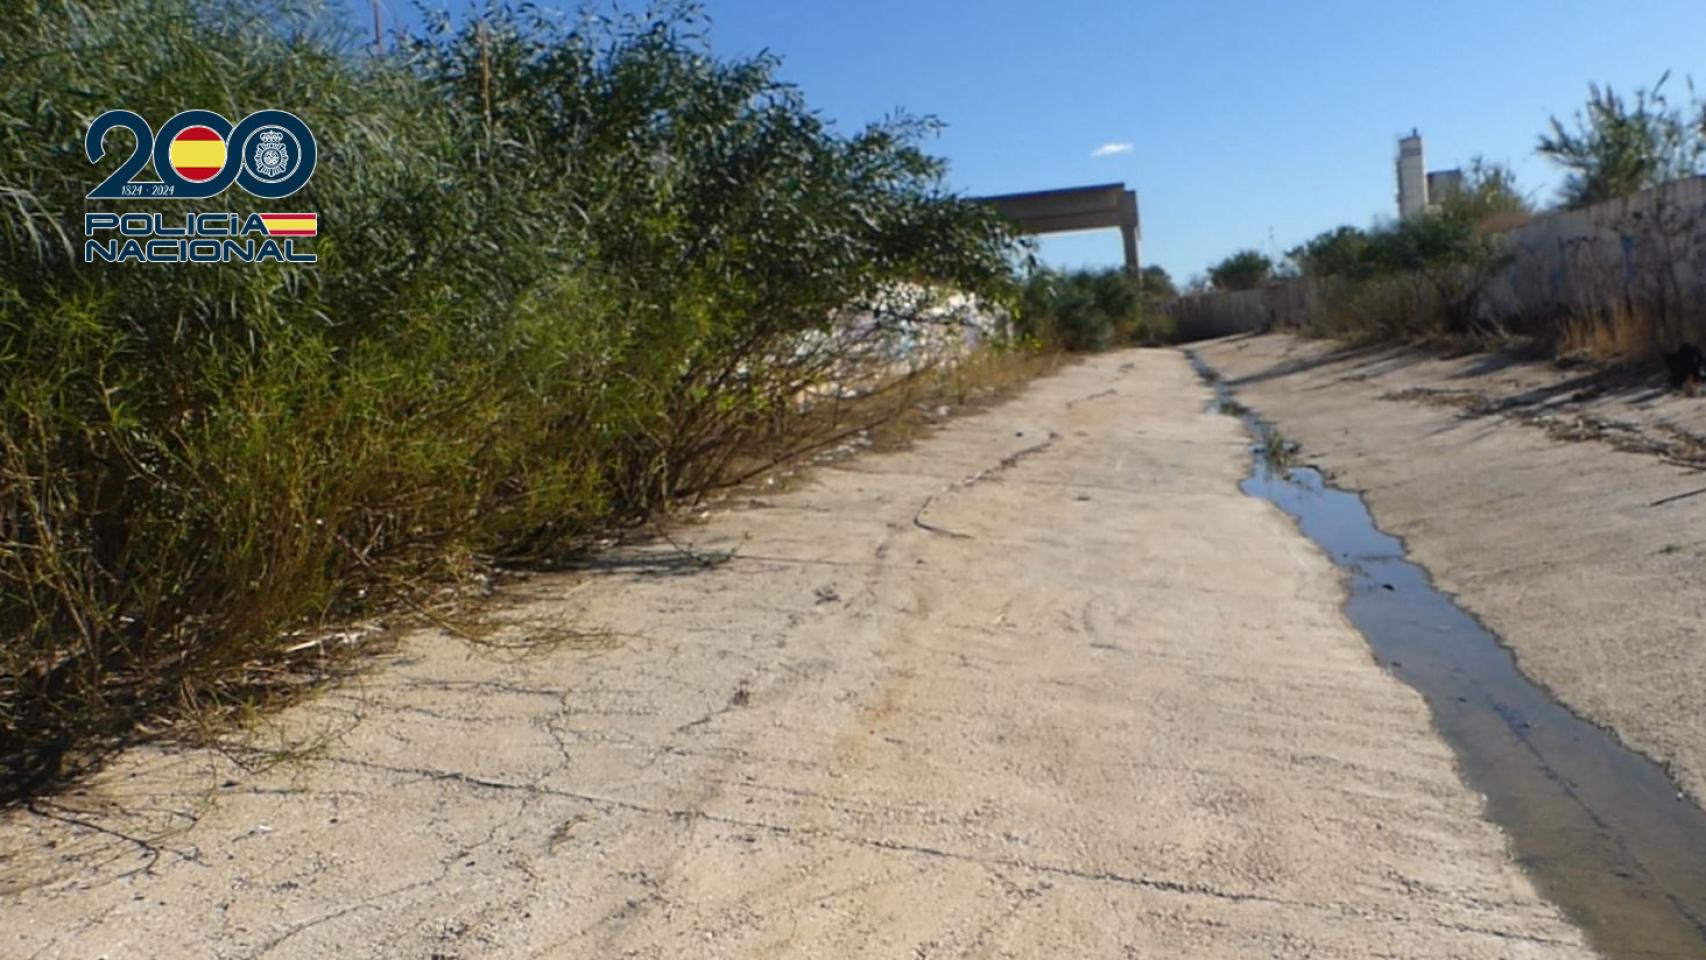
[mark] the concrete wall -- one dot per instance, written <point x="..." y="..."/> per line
<point x="1642" y="254"/>
<point x="1202" y="316"/>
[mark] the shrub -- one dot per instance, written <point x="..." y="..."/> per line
<point x="1419" y="277"/>
<point x="1617" y="149"/>
<point x="1157" y="285"/>
<point x="566" y="270"/>
<point x="1087" y="309"/>
<point x="1244" y="270"/>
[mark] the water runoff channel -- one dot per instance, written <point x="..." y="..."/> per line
<point x="1603" y="831"/>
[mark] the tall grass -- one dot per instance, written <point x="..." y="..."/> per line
<point x="567" y="269"/>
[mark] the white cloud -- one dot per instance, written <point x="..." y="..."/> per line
<point x="1109" y="149"/>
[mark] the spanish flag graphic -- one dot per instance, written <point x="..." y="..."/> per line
<point x="291" y="224"/>
<point x="198" y="153"/>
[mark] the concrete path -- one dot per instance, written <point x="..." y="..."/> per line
<point x="1045" y="685"/>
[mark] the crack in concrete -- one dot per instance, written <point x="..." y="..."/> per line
<point x="1005" y="463"/>
<point x="1182" y="888"/>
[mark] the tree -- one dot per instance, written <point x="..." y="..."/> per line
<point x="1333" y="253"/>
<point x="1446" y="254"/>
<point x="1617" y="149"/>
<point x="1244" y="270"/>
<point x="1081" y="309"/>
<point x="1489" y="197"/>
<point x="1156" y="284"/>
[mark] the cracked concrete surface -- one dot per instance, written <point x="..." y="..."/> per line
<point x="1099" y="704"/>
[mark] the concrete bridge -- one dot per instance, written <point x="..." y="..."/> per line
<point x="1076" y="208"/>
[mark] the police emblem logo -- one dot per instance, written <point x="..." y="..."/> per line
<point x="270" y="157"/>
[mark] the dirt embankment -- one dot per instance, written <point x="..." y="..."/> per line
<point x="1045" y="685"/>
<point x="1564" y="506"/>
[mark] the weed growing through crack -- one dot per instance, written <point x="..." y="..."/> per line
<point x="1277" y="452"/>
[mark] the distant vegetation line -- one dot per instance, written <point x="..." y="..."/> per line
<point x="1425" y="276"/>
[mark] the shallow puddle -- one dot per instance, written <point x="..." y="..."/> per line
<point x="1603" y="831"/>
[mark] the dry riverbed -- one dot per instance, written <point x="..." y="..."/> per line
<point x="1566" y="507"/>
<point x="1044" y="685"/>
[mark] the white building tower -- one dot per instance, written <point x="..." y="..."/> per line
<point x="1412" y="176"/>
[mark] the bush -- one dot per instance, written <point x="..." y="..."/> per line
<point x="1420" y="277"/>
<point x="1617" y="149"/>
<point x="1244" y="270"/>
<point x="1086" y="309"/>
<point x="566" y="271"/>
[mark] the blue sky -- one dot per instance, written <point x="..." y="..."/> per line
<point x="1251" y="124"/>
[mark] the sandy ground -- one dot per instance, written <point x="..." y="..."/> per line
<point x="1045" y="685"/>
<point x="1554" y="502"/>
